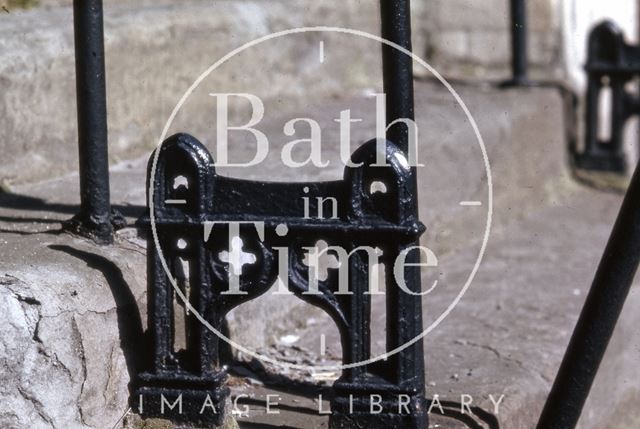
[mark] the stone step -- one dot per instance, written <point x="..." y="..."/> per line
<point x="71" y="306"/>
<point x="509" y="332"/>
<point x="154" y="51"/>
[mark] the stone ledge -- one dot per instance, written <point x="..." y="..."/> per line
<point x="154" y="52"/>
<point x="69" y="370"/>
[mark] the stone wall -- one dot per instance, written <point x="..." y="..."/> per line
<point x="470" y="39"/>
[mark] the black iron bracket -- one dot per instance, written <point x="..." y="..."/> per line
<point x="193" y="207"/>
<point x="96" y="219"/>
<point x="611" y="64"/>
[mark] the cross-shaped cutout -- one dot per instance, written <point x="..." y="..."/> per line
<point x="320" y="260"/>
<point x="237" y="258"/>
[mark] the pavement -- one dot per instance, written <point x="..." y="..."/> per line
<point x="75" y="309"/>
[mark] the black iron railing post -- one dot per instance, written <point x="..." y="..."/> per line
<point x="94" y="218"/>
<point x="397" y="68"/>
<point x="598" y="317"/>
<point x="519" y="56"/>
<point x="519" y="41"/>
<point x="404" y="311"/>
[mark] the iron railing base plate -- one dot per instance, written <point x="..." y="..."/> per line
<point x="203" y="400"/>
<point x="98" y="230"/>
<point x="601" y="162"/>
<point x="388" y="410"/>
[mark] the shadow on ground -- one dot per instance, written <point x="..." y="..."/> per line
<point x="18" y="202"/>
<point x="451" y="410"/>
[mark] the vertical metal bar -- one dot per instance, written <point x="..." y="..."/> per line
<point x="598" y="317"/>
<point x="397" y="69"/>
<point x="519" y="42"/>
<point x="592" y="119"/>
<point x="95" y="209"/>
<point x="404" y="312"/>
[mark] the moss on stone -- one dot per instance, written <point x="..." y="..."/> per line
<point x="134" y="421"/>
<point x="22" y="4"/>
